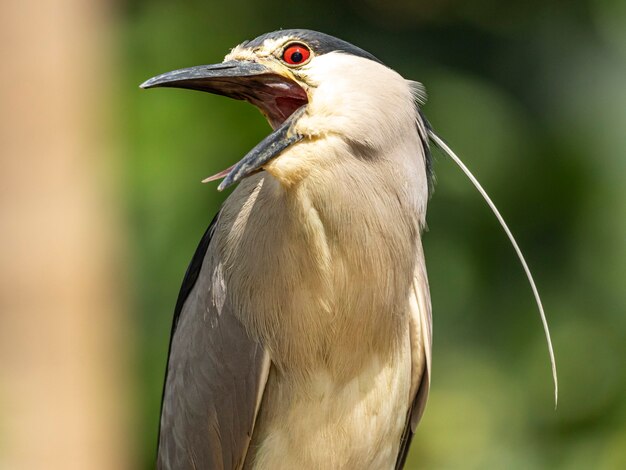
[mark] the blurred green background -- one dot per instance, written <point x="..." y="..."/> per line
<point x="532" y="95"/>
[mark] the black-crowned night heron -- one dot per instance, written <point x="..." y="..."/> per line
<point x="302" y="332"/>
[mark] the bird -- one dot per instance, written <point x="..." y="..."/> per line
<point x="302" y="333"/>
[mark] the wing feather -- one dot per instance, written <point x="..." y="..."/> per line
<point x="215" y="375"/>
<point x="420" y="320"/>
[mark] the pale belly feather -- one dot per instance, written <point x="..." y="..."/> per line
<point x="325" y="425"/>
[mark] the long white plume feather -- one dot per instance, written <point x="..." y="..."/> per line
<point x="444" y="147"/>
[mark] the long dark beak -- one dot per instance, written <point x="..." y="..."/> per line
<point x="281" y="99"/>
<point x="235" y="79"/>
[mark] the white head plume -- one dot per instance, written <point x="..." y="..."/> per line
<point x="447" y="150"/>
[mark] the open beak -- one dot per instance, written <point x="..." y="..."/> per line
<point x="277" y="96"/>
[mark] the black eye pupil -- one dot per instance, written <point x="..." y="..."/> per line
<point x="297" y="56"/>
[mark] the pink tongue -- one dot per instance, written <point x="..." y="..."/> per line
<point x="218" y="176"/>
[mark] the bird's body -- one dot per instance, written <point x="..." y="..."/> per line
<point x="302" y="336"/>
<point x="302" y="333"/>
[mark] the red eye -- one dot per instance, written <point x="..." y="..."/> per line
<point x="296" y="54"/>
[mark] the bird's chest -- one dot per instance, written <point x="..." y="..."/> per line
<point x="304" y="276"/>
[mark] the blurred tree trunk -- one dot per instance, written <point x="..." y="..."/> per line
<point x="61" y="385"/>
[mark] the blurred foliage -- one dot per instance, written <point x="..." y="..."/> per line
<point x="532" y="94"/>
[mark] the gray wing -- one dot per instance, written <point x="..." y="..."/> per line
<point x="215" y="375"/>
<point x="421" y="352"/>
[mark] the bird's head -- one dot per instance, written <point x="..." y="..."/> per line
<point x="310" y="86"/>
